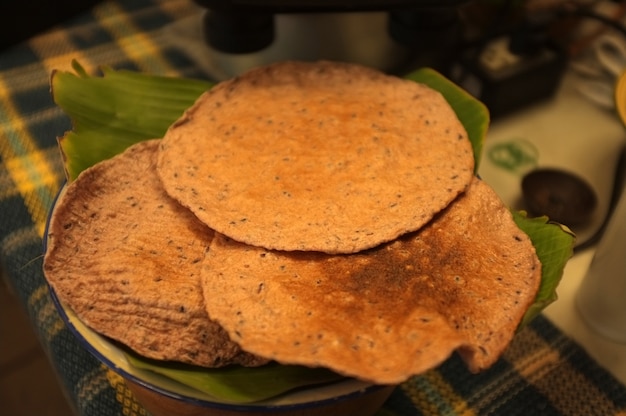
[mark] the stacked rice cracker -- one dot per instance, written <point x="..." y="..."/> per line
<point x="322" y="214"/>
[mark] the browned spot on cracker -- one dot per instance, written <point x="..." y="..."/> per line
<point x="463" y="282"/>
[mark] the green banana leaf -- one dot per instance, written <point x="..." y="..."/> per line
<point x="554" y="244"/>
<point x="119" y="108"/>
<point x="112" y="112"/>
<point x="471" y="112"/>
<point x="239" y="384"/>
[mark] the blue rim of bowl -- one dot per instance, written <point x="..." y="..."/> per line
<point x="260" y="408"/>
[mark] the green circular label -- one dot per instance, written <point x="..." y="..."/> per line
<point x="514" y="155"/>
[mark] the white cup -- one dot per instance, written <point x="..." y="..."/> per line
<point x="601" y="297"/>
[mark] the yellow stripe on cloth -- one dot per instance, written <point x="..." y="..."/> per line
<point x="56" y="51"/>
<point x="15" y="241"/>
<point x="433" y="395"/>
<point x="135" y="43"/>
<point x="46" y="314"/>
<point x="36" y="183"/>
<point x="130" y="405"/>
<point x="567" y="389"/>
<point x="27" y="166"/>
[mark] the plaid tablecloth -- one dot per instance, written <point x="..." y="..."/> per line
<point x="542" y="373"/>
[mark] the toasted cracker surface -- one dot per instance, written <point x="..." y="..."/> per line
<point x="463" y="282"/>
<point x="320" y="156"/>
<point x="126" y="258"/>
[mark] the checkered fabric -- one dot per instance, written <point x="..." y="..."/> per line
<point x="543" y="372"/>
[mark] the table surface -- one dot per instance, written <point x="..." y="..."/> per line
<point x="555" y="366"/>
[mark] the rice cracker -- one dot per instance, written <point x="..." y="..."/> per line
<point x="126" y="258"/>
<point x="321" y="156"/>
<point x="463" y="283"/>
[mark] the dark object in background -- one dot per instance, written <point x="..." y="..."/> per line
<point x="507" y="79"/>
<point x="428" y="30"/>
<point x="244" y="26"/>
<point x="20" y="20"/>
<point x="562" y="196"/>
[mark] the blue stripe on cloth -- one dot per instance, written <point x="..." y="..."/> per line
<point x="150" y="17"/>
<point x="94" y="396"/>
<point x="433" y="399"/>
<point x="24" y="261"/>
<point x="86" y="34"/>
<point x="35" y="99"/>
<point x="497" y="390"/>
<point x="579" y="360"/>
<point x="17" y="56"/>
<point x="139" y="7"/>
<point x="399" y="403"/>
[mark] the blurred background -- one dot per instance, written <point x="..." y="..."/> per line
<point x="509" y="53"/>
<point x="546" y="70"/>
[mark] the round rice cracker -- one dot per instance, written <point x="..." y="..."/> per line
<point x="463" y="282"/>
<point x="126" y="258"/>
<point x="320" y="156"/>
